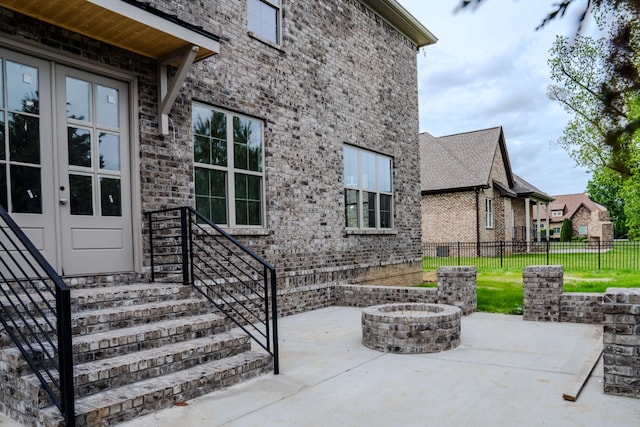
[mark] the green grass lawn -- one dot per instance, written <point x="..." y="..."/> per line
<point x="500" y="290"/>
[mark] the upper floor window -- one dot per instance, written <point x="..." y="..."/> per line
<point x="368" y="192"/>
<point x="556" y="213"/>
<point x="263" y="18"/>
<point x="488" y="204"/>
<point x="228" y="165"/>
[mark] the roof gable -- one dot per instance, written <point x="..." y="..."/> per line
<point x="462" y="160"/>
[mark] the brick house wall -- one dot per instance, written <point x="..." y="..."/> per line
<point x="449" y="217"/>
<point x="341" y="75"/>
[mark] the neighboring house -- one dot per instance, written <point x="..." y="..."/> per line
<point x="469" y="192"/>
<point x="317" y="101"/>
<point x="590" y="220"/>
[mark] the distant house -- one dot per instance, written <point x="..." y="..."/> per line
<point x="589" y="219"/>
<point x="469" y="192"/>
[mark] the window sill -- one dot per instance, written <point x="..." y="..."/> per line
<point x="265" y="41"/>
<point x="235" y="232"/>
<point x="372" y="231"/>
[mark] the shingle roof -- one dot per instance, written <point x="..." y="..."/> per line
<point x="569" y="204"/>
<point x="459" y="161"/>
<point x="526" y="189"/>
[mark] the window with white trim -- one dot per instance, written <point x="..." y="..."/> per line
<point x="582" y="230"/>
<point x="556" y="213"/>
<point x="488" y="205"/>
<point x="368" y="196"/>
<point x="263" y="19"/>
<point x="228" y="167"/>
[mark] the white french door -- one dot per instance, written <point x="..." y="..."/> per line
<point x="64" y="163"/>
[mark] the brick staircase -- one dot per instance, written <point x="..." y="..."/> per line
<point x="137" y="348"/>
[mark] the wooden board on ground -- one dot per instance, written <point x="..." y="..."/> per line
<point x="584" y="373"/>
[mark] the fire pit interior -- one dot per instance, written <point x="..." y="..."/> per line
<point x="411" y="327"/>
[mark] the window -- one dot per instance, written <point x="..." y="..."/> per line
<point x="488" y="204"/>
<point x="555" y="230"/>
<point x="263" y="19"/>
<point x="367" y="192"/>
<point x="228" y="153"/>
<point x="582" y="230"/>
<point x="556" y="213"/>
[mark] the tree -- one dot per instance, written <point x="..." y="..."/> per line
<point x="606" y="188"/>
<point x="622" y="58"/>
<point x="566" y="232"/>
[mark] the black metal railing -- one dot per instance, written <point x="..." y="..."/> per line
<point x="242" y="285"/>
<point x="576" y="256"/>
<point x="35" y="311"/>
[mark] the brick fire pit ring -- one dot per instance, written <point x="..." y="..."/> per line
<point x="411" y="327"/>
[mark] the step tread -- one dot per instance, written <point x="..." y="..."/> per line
<point x="128" y="401"/>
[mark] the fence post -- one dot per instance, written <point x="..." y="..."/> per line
<point x="459" y="254"/>
<point x="185" y="247"/>
<point x="548" y="250"/>
<point x="501" y="251"/>
<point x="599" y="254"/>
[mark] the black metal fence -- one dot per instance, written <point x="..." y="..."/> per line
<point x="576" y="256"/>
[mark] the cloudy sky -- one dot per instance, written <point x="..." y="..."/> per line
<point x="489" y="68"/>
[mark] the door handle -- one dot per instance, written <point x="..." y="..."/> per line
<point x="63" y="201"/>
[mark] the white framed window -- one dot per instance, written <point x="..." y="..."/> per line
<point x="228" y="167"/>
<point x="368" y="197"/>
<point x="264" y="19"/>
<point x="556" y="213"/>
<point x="582" y="230"/>
<point x="488" y="206"/>
<point x="555" y="230"/>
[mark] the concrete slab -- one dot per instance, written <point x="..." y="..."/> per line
<point x="505" y="372"/>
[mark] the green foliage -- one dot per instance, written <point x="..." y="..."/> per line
<point x="566" y="232"/>
<point x="605" y="188"/>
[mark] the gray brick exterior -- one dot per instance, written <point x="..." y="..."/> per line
<point x="341" y="75"/>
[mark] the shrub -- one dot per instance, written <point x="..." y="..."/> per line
<point x="566" y="232"/>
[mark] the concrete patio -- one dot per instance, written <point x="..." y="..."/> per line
<point x="505" y="372"/>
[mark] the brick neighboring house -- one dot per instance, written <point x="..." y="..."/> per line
<point x="469" y="192"/>
<point x="589" y="219"/>
<point x="317" y="85"/>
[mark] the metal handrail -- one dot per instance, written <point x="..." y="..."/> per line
<point x="237" y="281"/>
<point x="31" y="294"/>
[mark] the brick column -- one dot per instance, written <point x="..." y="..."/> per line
<point x="457" y="286"/>
<point x="621" y="341"/>
<point x="542" y="292"/>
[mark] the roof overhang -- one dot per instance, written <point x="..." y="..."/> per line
<point x="128" y="24"/>
<point x="400" y="18"/>
<point x="474" y="189"/>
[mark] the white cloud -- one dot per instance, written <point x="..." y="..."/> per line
<point x="489" y="68"/>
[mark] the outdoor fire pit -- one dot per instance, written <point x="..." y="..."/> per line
<point x="411" y="327"/>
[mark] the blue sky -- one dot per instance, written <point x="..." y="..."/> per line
<point x="489" y="68"/>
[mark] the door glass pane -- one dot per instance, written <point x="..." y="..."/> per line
<point x="78" y="99"/>
<point x="26" y="190"/>
<point x="109" y="151"/>
<point x="107" y="106"/>
<point x="3" y="186"/>
<point x="22" y="87"/>
<point x="2" y="134"/>
<point x="79" y="146"/>
<point x="81" y="189"/>
<point x="110" y="197"/>
<point x="24" y="138"/>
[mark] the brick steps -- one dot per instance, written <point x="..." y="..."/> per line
<point x="102" y="320"/>
<point x="126" y="402"/>
<point x="136" y="348"/>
